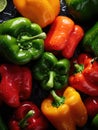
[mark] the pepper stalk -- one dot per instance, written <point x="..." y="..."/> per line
<point x="25" y="38"/>
<point x="58" y="100"/>
<point x="23" y="123"/>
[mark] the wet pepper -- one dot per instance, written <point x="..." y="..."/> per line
<point x="15" y="84"/>
<point x="65" y="112"/>
<point x="51" y="72"/>
<point x="85" y="78"/>
<point x="42" y="12"/>
<point x="28" y="117"/>
<point x="20" y="40"/>
<point x="64" y="36"/>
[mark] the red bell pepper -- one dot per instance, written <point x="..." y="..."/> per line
<point x="15" y="84"/>
<point x="86" y="77"/>
<point x="73" y="41"/>
<point x="91" y="104"/>
<point x="28" y="117"/>
<point x="64" y="36"/>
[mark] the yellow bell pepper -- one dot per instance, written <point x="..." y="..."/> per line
<point x="67" y="112"/>
<point x="42" y="12"/>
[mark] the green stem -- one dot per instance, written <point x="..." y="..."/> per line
<point x="23" y="123"/>
<point x="28" y="38"/>
<point x="78" y="67"/>
<point x="50" y="83"/>
<point x="58" y="100"/>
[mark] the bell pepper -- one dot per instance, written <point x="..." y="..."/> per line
<point x="63" y="36"/>
<point x="2" y="124"/>
<point x="94" y="122"/>
<point x="15" y="84"/>
<point x="83" y="10"/>
<point x="51" y="72"/>
<point x="90" y="40"/>
<point x="91" y="104"/>
<point x="85" y="76"/>
<point x="42" y="12"/>
<point x="28" y="117"/>
<point x="65" y="112"/>
<point x="20" y="40"/>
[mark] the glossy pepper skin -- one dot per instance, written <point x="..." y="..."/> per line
<point x="42" y="12"/>
<point x="83" y="10"/>
<point x="85" y="78"/>
<point x="15" y="84"/>
<point x="90" y="40"/>
<point x="20" y="40"/>
<point x="91" y="104"/>
<point x="63" y="36"/>
<point x="28" y="117"/>
<point x="2" y="124"/>
<point x="51" y="72"/>
<point x="65" y="112"/>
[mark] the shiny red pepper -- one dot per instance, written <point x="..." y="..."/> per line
<point x="85" y="79"/>
<point x="28" y="117"/>
<point x="91" y="104"/>
<point x="15" y="84"/>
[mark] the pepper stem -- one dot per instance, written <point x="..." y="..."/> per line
<point x="78" y="67"/>
<point x="27" y="38"/>
<point x="50" y="82"/>
<point x="94" y="59"/>
<point x="23" y="123"/>
<point x="58" y="100"/>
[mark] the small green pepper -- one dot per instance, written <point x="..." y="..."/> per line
<point x="20" y="40"/>
<point x="51" y="72"/>
<point x="90" y="40"/>
<point x="95" y="121"/>
<point x="83" y="10"/>
<point x="2" y="124"/>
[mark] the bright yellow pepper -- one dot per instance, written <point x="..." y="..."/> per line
<point x="42" y="12"/>
<point x="67" y="112"/>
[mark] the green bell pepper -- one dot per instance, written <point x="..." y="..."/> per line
<point x="95" y="121"/>
<point x="2" y="124"/>
<point x="51" y="72"/>
<point x="83" y="10"/>
<point x="90" y="40"/>
<point x="20" y="40"/>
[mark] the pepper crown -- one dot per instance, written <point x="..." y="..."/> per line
<point x="25" y="41"/>
<point x="23" y="123"/>
<point x="78" y="67"/>
<point x="58" y="100"/>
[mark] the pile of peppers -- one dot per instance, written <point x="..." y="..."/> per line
<point x="49" y="66"/>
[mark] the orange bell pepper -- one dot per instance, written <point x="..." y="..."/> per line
<point x="67" y="112"/>
<point x="42" y="12"/>
<point x="63" y="36"/>
<point x="59" y="32"/>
